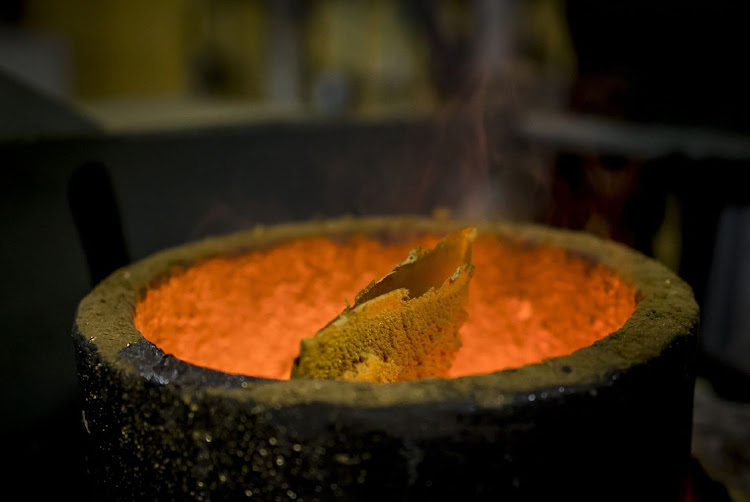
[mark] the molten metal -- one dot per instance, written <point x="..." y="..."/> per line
<point x="247" y="314"/>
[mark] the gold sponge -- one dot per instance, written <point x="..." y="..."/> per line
<point x="402" y="327"/>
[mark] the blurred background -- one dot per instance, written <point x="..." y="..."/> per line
<point x="128" y="126"/>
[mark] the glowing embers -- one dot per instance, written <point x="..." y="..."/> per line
<point x="247" y="314"/>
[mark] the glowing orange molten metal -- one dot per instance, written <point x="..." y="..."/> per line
<point x="247" y="314"/>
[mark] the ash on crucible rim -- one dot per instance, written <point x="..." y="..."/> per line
<point x="602" y="411"/>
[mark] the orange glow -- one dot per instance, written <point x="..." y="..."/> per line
<point x="247" y="314"/>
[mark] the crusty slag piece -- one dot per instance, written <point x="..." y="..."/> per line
<point x="402" y="327"/>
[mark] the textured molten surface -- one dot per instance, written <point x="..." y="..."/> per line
<point x="247" y="314"/>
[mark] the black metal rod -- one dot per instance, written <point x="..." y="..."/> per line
<point x="91" y="197"/>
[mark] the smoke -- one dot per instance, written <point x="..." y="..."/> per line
<point x="496" y="174"/>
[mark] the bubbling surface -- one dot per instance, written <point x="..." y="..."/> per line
<point x="247" y="314"/>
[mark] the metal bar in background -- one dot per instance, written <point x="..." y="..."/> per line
<point x="606" y="136"/>
<point x="28" y="112"/>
